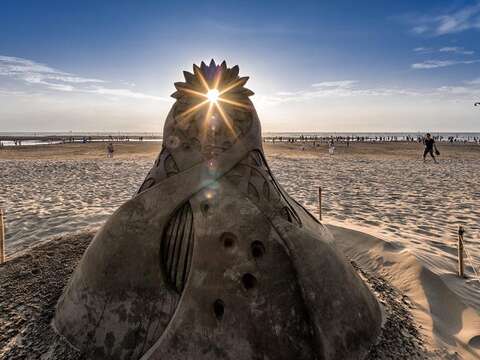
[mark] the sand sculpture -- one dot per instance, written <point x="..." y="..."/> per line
<point x="212" y="259"/>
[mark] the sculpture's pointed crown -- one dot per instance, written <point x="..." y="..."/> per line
<point x="213" y="109"/>
<point x="207" y="77"/>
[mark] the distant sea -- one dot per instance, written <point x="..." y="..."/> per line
<point x="156" y="136"/>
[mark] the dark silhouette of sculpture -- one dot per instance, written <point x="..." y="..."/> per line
<point x="212" y="259"/>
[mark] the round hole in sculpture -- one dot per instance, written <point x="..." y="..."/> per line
<point x="258" y="249"/>
<point x="249" y="281"/>
<point x="228" y="240"/>
<point x="205" y="207"/>
<point x="219" y="309"/>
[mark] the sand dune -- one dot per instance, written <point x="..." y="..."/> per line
<point x="447" y="320"/>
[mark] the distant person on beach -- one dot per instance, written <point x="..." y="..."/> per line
<point x="331" y="147"/>
<point x="429" y="146"/>
<point x="110" y="150"/>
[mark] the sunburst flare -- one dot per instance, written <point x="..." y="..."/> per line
<point x="215" y="85"/>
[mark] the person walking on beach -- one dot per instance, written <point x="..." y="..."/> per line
<point x="110" y="150"/>
<point x="331" y="147"/>
<point x="429" y="146"/>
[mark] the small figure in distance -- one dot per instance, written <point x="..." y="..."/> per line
<point x="429" y="143"/>
<point x="331" y="147"/>
<point x="110" y="150"/>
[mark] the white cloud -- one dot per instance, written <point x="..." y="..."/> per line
<point x="36" y="73"/>
<point x="335" y="84"/>
<point x="123" y="93"/>
<point x="469" y="91"/>
<point x="420" y="29"/>
<point x="450" y="22"/>
<point x="10" y="65"/>
<point x="433" y="64"/>
<point x="8" y="92"/>
<point x="455" y="89"/>
<point x="423" y="50"/>
<point x="445" y="49"/>
<point x="333" y="89"/>
<point x="44" y="76"/>
<point x="352" y="88"/>
<point x="456" y="50"/>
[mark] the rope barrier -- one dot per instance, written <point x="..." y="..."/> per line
<point x="471" y="263"/>
<point x="462" y="249"/>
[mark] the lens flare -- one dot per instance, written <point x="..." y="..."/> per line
<point x="213" y="95"/>
<point x="219" y="87"/>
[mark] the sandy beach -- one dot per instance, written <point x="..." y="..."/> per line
<point x="397" y="216"/>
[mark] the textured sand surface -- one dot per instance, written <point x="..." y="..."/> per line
<point x="383" y="189"/>
<point x="42" y="198"/>
<point x="445" y="318"/>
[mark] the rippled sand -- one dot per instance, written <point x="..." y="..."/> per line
<point x="42" y="198"/>
<point x="403" y="200"/>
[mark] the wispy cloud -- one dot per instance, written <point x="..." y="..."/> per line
<point x="456" y="50"/>
<point x="41" y="75"/>
<point x="351" y="88"/>
<point x="433" y="64"/>
<point x="469" y="90"/>
<point x="448" y="22"/>
<point x="445" y="50"/>
<point x="124" y="93"/>
<point x="333" y="89"/>
<point x="336" y="84"/>
<point x="473" y="82"/>
<point x="457" y="90"/>
<point x="36" y="73"/>
<point x="423" y="50"/>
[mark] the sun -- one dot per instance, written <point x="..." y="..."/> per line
<point x="213" y="95"/>
<point x="216" y="87"/>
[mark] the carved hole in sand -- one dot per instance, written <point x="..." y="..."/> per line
<point x="204" y="207"/>
<point x="219" y="309"/>
<point x="228" y="240"/>
<point x="257" y="248"/>
<point x="249" y="281"/>
<point x="475" y="342"/>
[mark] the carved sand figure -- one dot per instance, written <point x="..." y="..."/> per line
<point x="212" y="259"/>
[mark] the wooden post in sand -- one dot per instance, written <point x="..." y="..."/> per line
<point x="320" y="203"/>
<point x="2" y="238"/>
<point x="461" y="266"/>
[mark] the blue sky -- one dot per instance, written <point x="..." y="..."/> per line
<point x="314" y="65"/>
